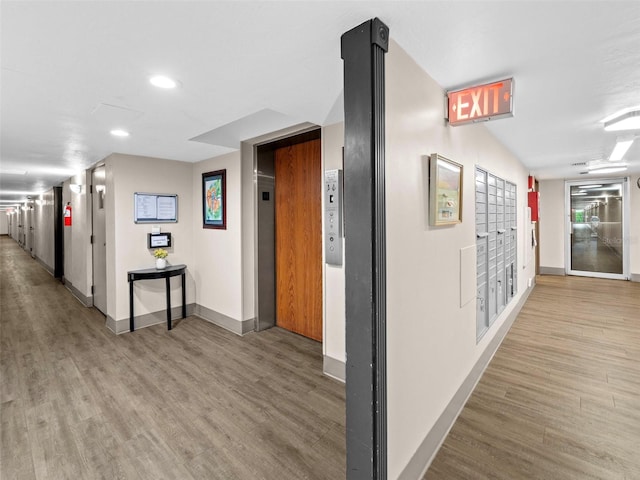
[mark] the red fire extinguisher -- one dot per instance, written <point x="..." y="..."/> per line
<point x="67" y="215"/>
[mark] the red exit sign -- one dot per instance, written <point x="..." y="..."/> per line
<point x="481" y="103"/>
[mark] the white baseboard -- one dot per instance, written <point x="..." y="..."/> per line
<point x="552" y="271"/>
<point x="334" y="368"/>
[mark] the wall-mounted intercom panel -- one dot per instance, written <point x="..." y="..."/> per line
<point x="333" y="192"/>
<point x="158" y="240"/>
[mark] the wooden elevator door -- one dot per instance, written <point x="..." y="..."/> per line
<point x="298" y="178"/>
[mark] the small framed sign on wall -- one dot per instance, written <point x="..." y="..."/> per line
<point x="214" y="202"/>
<point x="445" y="191"/>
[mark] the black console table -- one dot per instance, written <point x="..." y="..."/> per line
<point x="153" y="273"/>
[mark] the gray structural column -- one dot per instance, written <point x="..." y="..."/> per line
<point x="363" y="50"/>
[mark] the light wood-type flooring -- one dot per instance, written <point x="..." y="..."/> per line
<point x="78" y="402"/>
<point x="561" y="398"/>
<point x="559" y="401"/>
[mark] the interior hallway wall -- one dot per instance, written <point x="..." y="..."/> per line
<point x="13" y="227"/>
<point x="431" y="337"/>
<point x="127" y="241"/>
<point x="552" y="227"/>
<point x="217" y="260"/>
<point x="77" y="238"/>
<point x="4" y="223"/>
<point x="634" y="230"/>
<point x="44" y="244"/>
<point x="334" y="275"/>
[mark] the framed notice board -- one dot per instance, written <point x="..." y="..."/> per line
<point x="155" y="208"/>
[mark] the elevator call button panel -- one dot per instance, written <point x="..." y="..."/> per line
<point x="333" y="192"/>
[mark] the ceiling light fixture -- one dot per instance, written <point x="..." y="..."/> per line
<point x="577" y="194"/>
<point x="599" y="165"/>
<point x="627" y="120"/>
<point x="608" y="170"/>
<point x="161" y="81"/>
<point x="119" y="133"/>
<point x="620" y="150"/>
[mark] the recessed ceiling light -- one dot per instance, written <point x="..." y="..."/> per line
<point x="12" y="172"/>
<point x="119" y="133"/>
<point x="161" y="81"/>
<point x="620" y="150"/>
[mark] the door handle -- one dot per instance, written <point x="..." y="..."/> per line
<point x="514" y="228"/>
<point x="482" y="235"/>
<point x="501" y="230"/>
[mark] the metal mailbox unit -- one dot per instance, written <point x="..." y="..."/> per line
<point x="496" y="247"/>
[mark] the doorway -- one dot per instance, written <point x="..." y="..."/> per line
<point x="99" y="238"/>
<point x="29" y="230"/>
<point x="289" y="235"/>
<point x="597" y="228"/>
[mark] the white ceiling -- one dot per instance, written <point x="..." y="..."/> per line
<point x="72" y="71"/>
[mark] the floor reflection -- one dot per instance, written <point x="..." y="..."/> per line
<point x="590" y="254"/>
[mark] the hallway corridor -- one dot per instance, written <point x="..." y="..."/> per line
<point x="80" y="403"/>
<point x="561" y="397"/>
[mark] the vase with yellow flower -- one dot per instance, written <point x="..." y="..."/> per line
<point x="161" y="258"/>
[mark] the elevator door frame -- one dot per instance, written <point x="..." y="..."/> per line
<point x="264" y="176"/>
<point x="626" y="215"/>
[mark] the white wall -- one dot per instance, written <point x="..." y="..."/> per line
<point x="127" y="241"/>
<point x="217" y="259"/>
<point x="334" y="276"/>
<point x="634" y="230"/>
<point x="77" y="237"/>
<point x="552" y="225"/>
<point x="13" y="227"/>
<point x="431" y="339"/>
<point x="44" y="241"/>
<point x="4" y="223"/>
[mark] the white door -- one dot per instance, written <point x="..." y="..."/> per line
<point x="99" y="239"/>
<point x="598" y="212"/>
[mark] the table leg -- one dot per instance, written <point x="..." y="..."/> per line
<point x="184" y="300"/>
<point x="131" y="325"/>
<point x="168" y="303"/>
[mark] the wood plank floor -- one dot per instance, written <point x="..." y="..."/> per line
<point x="77" y="402"/>
<point x="561" y="398"/>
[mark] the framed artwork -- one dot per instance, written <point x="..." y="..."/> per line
<point x="445" y="191"/>
<point x="214" y="205"/>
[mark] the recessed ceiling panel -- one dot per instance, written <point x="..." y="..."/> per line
<point x="251" y="126"/>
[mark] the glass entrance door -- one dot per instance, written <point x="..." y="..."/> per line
<point x="597" y="226"/>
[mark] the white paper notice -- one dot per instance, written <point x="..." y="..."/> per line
<point x="166" y="208"/>
<point x="146" y="207"/>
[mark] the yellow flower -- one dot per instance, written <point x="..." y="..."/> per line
<point x="160" y="253"/>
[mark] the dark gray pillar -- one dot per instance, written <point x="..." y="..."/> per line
<point x="363" y="50"/>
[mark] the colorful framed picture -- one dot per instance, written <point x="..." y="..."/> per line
<point x="214" y="205"/>
<point x="445" y="191"/>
